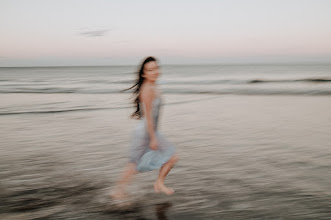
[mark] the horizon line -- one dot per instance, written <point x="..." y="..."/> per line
<point x="178" y="64"/>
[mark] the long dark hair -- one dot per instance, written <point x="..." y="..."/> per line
<point x="137" y="85"/>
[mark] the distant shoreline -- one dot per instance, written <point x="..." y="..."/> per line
<point x="183" y="64"/>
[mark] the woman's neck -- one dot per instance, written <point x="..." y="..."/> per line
<point x="150" y="83"/>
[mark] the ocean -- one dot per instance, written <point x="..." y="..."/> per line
<point x="253" y="142"/>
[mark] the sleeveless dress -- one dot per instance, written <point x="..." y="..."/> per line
<point x="141" y="154"/>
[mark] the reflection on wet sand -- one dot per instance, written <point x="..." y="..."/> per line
<point x="242" y="157"/>
<point x="134" y="211"/>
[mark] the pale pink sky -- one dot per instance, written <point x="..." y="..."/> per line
<point x="106" y="32"/>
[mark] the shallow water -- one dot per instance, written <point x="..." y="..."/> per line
<point x="241" y="157"/>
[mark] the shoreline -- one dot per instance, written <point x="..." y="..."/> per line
<point x="258" y="155"/>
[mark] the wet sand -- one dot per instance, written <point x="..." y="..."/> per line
<point x="241" y="157"/>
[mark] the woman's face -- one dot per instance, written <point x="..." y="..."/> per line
<point x="151" y="71"/>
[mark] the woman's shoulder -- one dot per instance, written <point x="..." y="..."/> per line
<point x="147" y="91"/>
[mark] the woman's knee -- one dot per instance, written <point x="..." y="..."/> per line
<point x="174" y="159"/>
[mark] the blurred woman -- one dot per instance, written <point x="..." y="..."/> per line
<point x="149" y="148"/>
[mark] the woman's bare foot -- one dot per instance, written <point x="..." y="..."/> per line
<point x="160" y="187"/>
<point x="120" y="200"/>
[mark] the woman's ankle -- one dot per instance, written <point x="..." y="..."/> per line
<point x="159" y="181"/>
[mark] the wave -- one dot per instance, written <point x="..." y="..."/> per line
<point x="318" y="80"/>
<point x="92" y="109"/>
<point x="317" y="86"/>
<point x="57" y="111"/>
<point x="255" y="92"/>
<point x="234" y="91"/>
<point x="238" y="81"/>
<point x="172" y="82"/>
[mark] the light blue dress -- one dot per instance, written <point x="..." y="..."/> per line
<point x="141" y="154"/>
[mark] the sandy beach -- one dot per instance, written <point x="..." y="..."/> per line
<point x="241" y="157"/>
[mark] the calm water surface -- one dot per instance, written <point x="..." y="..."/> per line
<point x="253" y="141"/>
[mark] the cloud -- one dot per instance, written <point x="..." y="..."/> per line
<point x="96" y="33"/>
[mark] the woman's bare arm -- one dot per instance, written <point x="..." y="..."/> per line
<point x="147" y="96"/>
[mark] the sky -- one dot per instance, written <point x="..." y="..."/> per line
<point x="123" y="32"/>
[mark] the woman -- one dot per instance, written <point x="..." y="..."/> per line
<point x="149" y="149"/>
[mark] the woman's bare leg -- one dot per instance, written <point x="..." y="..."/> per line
<point x="124" y="181"/>
<point x="159" y="183"/>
